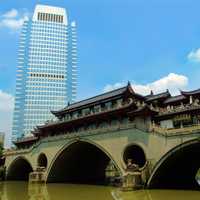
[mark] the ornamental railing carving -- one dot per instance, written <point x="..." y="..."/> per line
<point x="70" y="135"/>
<point x="174" y="109"/>
<point x="175" y="131"/>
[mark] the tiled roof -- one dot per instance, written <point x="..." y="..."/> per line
<point x="190" y="92"/>
<point x="95" y="99"/>
<point x="174" y="99"/>
<point x="152" y="97"/>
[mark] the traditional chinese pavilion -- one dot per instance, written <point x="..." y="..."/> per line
<point x="122" y="107"/>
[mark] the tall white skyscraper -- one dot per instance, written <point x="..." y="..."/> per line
<point x="46" y="72"/>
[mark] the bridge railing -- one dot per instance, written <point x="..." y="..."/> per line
<point x="88" y="132"/>
<point x="174" y="109"/>
<point x="67" y="135"/>
<point x="14" y="151"/>
<point x="175" y="131"/>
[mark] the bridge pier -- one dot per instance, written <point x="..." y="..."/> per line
<point x="37" y="176"/>
<point x="132" y="181"/>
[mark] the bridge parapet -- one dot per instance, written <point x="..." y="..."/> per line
<point x="92" y="131"/>
<point x="9" y="152"/>
<point x="175" y="131"/>
<point x="179" y="108"/>
<point x="73" y="135"/>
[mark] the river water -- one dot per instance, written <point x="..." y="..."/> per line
<point x="25" y="191"/>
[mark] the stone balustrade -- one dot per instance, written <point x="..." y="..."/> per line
<point x="174" y="109"/>
<point x="175" y="131"/>
<point x="70" y="135"/>
<point x="14" y="151"/>
<point x="87" y="132"/>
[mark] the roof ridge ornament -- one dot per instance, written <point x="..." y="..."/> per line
<point x="130" y="87"/>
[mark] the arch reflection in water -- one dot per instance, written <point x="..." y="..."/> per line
<point x="156" y="195"/>
<point x="19" y="169"/>
<point x="38" y="191"/>
<point x="24" y="191"/>
<point x="79" y="192"/>
<point x="81" y="162"/>
<point x="178" y="168"/>
<point x="14" y="190"/>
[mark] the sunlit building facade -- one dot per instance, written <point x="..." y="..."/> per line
<point x="46" y="72"/>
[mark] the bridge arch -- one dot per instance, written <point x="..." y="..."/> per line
<point x="19" y="169"/>
<point x="42" y="160"/>
<point x="80" y="161"/>
<point x="135" y="152"/>
<point x="177" y="168"/>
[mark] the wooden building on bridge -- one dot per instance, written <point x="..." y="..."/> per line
<point x="123" y="107"/>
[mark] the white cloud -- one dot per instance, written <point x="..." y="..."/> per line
<point x="6" y="111"/>
<point x="194" y="55"/>
<point x="11" y="13"/>
<point x="13" y="19"/>
<point x="172" y="81"/>
<point x="113" y="87"/>
<point x="6" y="101"/>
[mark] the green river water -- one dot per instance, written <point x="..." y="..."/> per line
<point x="25" y="191"/>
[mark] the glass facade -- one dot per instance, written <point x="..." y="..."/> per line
<point x="47" y="68"/>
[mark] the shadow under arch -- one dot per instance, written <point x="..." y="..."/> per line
<point x="42" y="160"/>
<point x="177" y="168"/>
<point x="19" y="169"/>
<point x="80" y="161"/>
<point x="135" y="152"/>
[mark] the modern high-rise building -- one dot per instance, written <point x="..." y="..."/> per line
<point x="46" y="72"/>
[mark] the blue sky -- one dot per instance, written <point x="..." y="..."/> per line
<point x="153" y="43"/>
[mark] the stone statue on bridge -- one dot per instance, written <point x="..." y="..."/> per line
<point x="131" y="166"/>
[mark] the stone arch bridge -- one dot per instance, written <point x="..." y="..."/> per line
<point x="151" y="140"/>
<point x="173" y="159"/>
